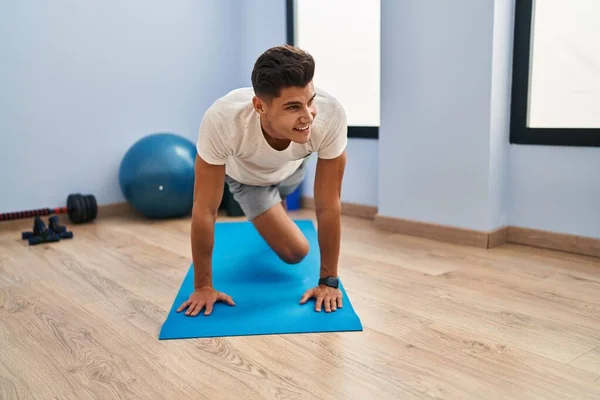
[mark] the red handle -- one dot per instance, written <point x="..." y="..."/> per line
<point x="32" y="213"/>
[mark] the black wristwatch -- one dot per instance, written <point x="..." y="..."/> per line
<point x="330" y="281"/>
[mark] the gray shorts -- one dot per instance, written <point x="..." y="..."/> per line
<point x="255" y="200"/>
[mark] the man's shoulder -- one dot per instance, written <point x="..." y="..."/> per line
<point x="232" y="106"/>
<point x="330" y="135"/>
<point x="331" y="115"/>
<point x="327" y="103"/>
<point x="224" y="125"/>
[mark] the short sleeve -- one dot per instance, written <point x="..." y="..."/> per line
<point x="211" y="146"/>
<point x="335" y="138"/>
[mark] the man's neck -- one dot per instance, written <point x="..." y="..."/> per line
<point x="276" y="143"/>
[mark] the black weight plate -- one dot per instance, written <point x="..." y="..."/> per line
<point x="90" y="207"/>
<point x="94" y="210"/>
<point x="70" y="200"/>
<point x="78" y="209"/>
<point x="84" y="210"/>
<point x="74" y="207"/>
<point x="71" y="206"/>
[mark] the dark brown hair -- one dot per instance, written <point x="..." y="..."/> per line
<point x="281" y="67"/>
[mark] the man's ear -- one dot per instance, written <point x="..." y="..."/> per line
<point x="259" y="105"/>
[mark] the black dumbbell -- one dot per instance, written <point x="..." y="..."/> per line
<point x="80" y="208"/>
<point x="40" y="234"/>
<point x="58" y="229"/>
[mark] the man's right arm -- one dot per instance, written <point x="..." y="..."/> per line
<point x="208" y="192"/>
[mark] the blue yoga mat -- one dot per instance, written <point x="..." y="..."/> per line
<point x="266" y="291"/>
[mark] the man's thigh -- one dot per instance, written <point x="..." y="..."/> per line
<point x="263" y="206"/>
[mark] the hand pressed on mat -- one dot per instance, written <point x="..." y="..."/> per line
<point x="328" y="297"/>
<point x="204" y="297"/>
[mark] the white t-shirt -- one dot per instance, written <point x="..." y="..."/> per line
<point x="230" y="133"/>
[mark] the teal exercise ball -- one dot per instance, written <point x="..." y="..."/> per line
<point x="156" y="175"/>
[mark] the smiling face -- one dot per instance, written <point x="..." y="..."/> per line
<point x="289" y="116"/>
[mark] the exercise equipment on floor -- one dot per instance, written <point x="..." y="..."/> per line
<point x="156" y="175"/>
<point x="41" y="233"/>
<point x="80" y="208"/>
<point x="265" y="289"/>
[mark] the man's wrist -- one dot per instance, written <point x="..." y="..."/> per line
<point x="326" y="272"/>
<point x="202" y="285"/>
<point x="202" y="279"/>
<point x="330" y="281"/>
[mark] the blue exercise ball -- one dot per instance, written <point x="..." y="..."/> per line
<point x="156" y="176"/>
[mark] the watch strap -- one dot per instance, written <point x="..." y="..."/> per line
<point x="329" y="281"/>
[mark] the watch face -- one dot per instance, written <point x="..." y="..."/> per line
<point x="333" y="282"/>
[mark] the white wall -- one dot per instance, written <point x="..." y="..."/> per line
<point x="81" y="81"/>
<point x="555" y="189"/>
<point x="262" y="25"/>
<point x="444" y="155"/>
<point x="558" y="188"/>
<point x="435" y="145"/>
<point x="502" y="46"/>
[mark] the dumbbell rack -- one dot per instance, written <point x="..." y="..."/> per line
<point x="41" y="233"/>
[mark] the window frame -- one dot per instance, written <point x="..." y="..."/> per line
<point x="520" y="133"/>
<point x="359" y="132"/>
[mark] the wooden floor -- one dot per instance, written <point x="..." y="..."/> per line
<point x="79" y="319"/>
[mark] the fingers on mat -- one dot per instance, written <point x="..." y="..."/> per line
<point x="319" y="303"/>
<point x="183" y="306"/>
<point x="197" y="307"/>
<point x="226" y="298"/>
<point x="327" y="304"/>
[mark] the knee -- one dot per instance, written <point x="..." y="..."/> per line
<point x="295" y="253"/>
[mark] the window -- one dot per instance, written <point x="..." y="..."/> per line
<point x="556" y="73"/>
<point x="344" y="38"/>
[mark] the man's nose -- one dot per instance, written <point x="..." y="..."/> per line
<point x="309" y="115"/>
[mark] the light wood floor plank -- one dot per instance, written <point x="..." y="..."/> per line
<point x="590" y="361"/>
<point x="217" y="363"/>
<point x="441" y="321"/>
<point x="497" y="317"/>
<point x="12" y="387"/>
<point x="89" y="352"/>
<point x="27" y="368"/>
<point x="513" y="372"/>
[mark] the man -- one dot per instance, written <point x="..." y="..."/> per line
<point x="258" y="140"/>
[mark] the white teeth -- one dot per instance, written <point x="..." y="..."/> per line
<point x="303" y="128"/>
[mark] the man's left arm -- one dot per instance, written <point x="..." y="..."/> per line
<point x="327" y="197"/>
<point x="328" y="204"/>
<point x="328" y="188"/>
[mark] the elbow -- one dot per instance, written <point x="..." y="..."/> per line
<point x="202" y="211"/>
<point x="330" y="206"/>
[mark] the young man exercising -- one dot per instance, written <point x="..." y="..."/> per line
<point x="258" y="140"/>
